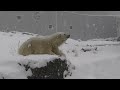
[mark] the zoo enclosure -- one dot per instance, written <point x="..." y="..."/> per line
<point x="81" y="26"/>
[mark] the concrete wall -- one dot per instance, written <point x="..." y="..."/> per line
<point x="117" y="13"/>
<point x="118" y="25"/>
<point x="27" y="21"/>
<point x="80" y="26"/>
<point x="88" y="27"/>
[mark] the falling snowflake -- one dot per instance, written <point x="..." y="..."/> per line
<point x="94" y="25"/>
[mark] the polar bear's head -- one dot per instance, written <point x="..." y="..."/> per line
<point x="63" y="35"/>
<point x="60" y="37"/>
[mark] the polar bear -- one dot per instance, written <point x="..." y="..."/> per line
<point x="44" y="44"/>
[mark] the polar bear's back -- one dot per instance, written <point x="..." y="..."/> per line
<point x="40" y="40"/>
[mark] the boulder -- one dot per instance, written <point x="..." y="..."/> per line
<point x="54" y="69"/>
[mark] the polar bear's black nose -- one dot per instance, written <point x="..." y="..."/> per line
<point x="68" y="36"/>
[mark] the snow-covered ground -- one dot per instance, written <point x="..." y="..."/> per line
<point x="98" y="58"/>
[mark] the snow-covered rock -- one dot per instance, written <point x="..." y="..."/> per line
<point x="15" y="66"/>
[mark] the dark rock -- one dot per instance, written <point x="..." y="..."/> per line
<point x="55" y="69"/>
<point x="26" y="33"/>
<point x="89" y="49"/>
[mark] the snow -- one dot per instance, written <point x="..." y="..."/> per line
<point x="96" y="58"/>
<point x="100" y="63"/>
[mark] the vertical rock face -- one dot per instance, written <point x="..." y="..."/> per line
<point x="56" y="69"/>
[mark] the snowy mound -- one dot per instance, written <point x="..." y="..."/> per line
<point x="98" y="58"/>
<point x="103" y="69"/>
<point x="93" y="58"/>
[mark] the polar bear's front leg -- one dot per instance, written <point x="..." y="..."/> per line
<point x="57" y="51"/>
<point x="51" y="53"/>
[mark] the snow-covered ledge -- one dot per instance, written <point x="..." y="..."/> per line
<point x="35" y="67"/>
<point x="46" y="67"/>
